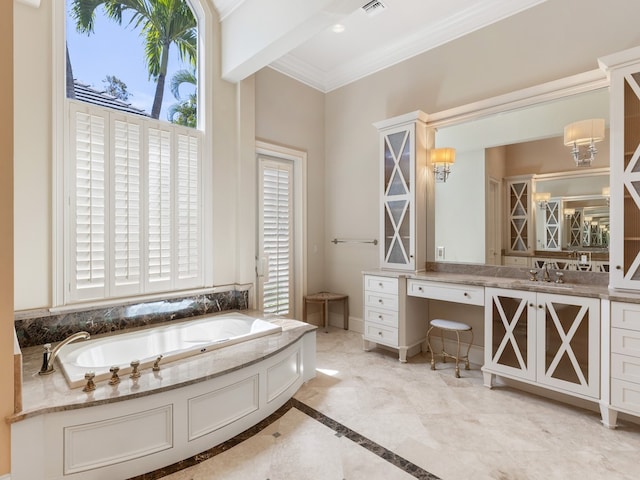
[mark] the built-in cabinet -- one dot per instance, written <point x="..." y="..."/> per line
<point x="625" y="358"/>
<point x="547" y="339"/>
<point x="404" y="191"/>
<point x="391" y="317"/>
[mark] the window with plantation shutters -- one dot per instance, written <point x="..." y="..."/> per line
<point x="135" y="212"/>
<point x="276" y="235"/>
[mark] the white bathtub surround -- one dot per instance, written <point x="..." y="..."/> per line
<point x="165" y="416"/>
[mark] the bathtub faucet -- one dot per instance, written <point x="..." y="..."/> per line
<point x="49" y="355"/>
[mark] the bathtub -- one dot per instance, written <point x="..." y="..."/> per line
<point x="173" y="342"/>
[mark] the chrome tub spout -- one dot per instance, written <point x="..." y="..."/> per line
<point x="49" y="355"/>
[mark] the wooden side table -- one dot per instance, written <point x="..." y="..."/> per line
<point x="323" y="299"/>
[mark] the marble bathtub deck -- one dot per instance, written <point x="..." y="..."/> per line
<point x="367" y="416"/>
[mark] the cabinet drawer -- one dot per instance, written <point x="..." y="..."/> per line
<point x="624" y="367"/>
<point x="381" y="284"/>
<point x="381" y="300"/>
<point x="625" y="395"/>
<point x="381" y="334"/>
<point x="381" y="316"/>
<point x="625" y="315"/>
<point x="625" y="341"/>
<point x="450" y="292"/>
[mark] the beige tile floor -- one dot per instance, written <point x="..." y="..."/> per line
<point x="453" y="428"/>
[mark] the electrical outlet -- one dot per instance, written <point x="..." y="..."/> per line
<point x="440" y="253"/>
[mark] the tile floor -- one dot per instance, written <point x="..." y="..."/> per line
<point x="368" y="416"/>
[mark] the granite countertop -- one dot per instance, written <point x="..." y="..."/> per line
<point x="51" y="393"/>
<point x="478" y="276"/>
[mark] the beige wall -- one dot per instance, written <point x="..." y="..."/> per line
<point x="292" y="115"/>
<point x="6" y="232"/>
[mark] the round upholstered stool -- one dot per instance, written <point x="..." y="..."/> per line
<point x="449" y="326"/>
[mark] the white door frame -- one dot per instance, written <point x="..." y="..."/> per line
<point x="493" y="254"/>
<point x="299" y="159"/>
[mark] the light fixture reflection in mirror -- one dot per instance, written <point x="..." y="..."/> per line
<point x="542" y="199"/>
<point x="585" y="134"/>
<point x="442" y="159"/>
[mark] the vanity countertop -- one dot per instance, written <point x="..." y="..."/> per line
<point x="51" y="393"/>
<point x="579" y="289"/>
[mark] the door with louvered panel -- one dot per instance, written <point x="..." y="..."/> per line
<point x="276" y="236"/>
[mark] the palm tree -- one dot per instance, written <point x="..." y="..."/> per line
<point x="162" y="22"/>
<point x="186" y="111"/>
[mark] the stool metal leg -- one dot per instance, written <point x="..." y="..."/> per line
<point x="457" y="354"/>
<point x="433" y="361"/>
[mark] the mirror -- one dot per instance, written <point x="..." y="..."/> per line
<point x="524" y="142"/>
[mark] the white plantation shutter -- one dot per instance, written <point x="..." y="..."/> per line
<point x="127" y="151"/>
<point x="135" y="205"/>
<point x="159" y="212"/>
<point x="276" y="218"/>
<point x="87" y="277"/>
<point x="188" y="210"/>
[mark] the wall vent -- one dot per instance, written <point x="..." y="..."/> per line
<point x="373" y="7"/>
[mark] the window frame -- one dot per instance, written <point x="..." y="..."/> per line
<point x="60" y="139"/>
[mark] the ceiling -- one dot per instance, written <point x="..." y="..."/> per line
<point x="392" y="31"/>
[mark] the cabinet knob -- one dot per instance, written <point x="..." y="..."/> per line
<point x="380" y="284"/>
<point x="540" y="307"/>
<point x="531" y="305"/>
<point x="379" y="317"/>
<point x="380" y="333"/>
<point x="618" y="267"/>
<point x="380" y="301"/>
<point x="466" y="294"/>
<point x="420" y="289"/>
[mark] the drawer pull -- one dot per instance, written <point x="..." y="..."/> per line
<point x="466" y="294"/>
<point x="531" y="305"/>
<point x="540" y="307"/>
<point x="380" y="333"/>
<point x="380" y="284"/>
<point x="420" y="289"/>
<point x="379" y="317"/>
<point x="380" y="301"/>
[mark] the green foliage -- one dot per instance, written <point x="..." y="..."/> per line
<point x="116" y="87"/>
<point x="186" y="111"/>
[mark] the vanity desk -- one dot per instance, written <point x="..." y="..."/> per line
<point x="556" y="336"/>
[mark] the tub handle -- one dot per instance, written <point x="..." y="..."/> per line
<point x="135" y="373"/>
<point x="90" y="386"/>
<point x="115" y="379"/>
<point x="156" y="364"/>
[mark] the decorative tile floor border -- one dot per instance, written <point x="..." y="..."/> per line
<point x="341" y="430"/>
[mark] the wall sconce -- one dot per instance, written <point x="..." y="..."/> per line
<point x="606" y="193"/>
<point x="442" y="159"/>
<point x="569" y="212"/>
<point x="579" y="134"/>
<point x="542" y="199"/>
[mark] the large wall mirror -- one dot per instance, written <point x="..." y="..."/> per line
<point x="522" y="143"/>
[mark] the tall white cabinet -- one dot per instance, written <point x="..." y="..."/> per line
<point x="623" y="343"/>
<point x="405" y="191"/>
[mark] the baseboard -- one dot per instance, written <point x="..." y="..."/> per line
<point x="5" y="477"/>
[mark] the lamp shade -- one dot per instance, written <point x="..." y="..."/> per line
<point x="584" y="132"/>
<point x="442" y="155"/>
<point x="541" y="196"/>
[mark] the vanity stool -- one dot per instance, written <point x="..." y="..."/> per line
<point x="449" y="326"/>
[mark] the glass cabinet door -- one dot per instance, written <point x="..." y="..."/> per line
<point x="510" y="332"/>
<point x="398" y="199"/>
<point x="568" y="352"/>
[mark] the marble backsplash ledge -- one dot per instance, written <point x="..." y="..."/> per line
<point x="41" y="329"/>
<point x="518" y="273"/>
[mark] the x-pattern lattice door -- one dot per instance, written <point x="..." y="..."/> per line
<point x="397" y="199"/>
<point x="519" y="216"/>
<point x="511" y="335"/>
<point x="567" y="346"/>
<point x="631" y="175"/>
<point x="552" y="226"/>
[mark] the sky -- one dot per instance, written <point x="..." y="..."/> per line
<point x="118" y="50"/>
